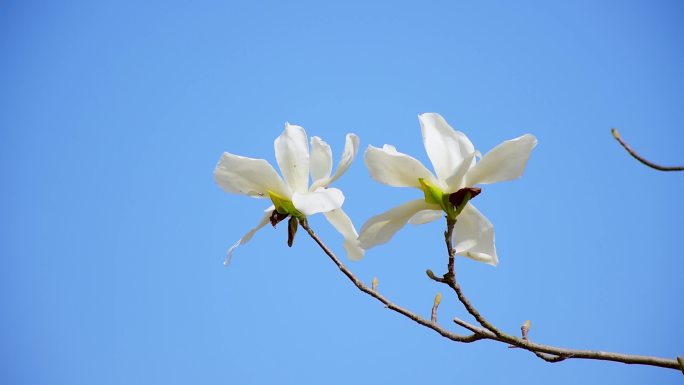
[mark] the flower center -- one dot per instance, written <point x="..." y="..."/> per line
<point x="284" y="206"/>
<point x="451" y="203"/>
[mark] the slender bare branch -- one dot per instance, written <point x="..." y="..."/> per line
<point x="547" y="353"/>
<point x="571" y="353"/>
<point x="475" y="329"/>
<point x="640" y="158"/>
<point x="388" y="304"/>
<point x="450" y="280"/>
<point x="488" y="331"/>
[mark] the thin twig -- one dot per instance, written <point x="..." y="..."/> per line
<point x="572" y="353"/>
<point x="450" y="280"/>
<point x="435" y="305"/>
<point x="547" y="353"/>
<point x="641" y="159"/>
<point x="390" y="305"/>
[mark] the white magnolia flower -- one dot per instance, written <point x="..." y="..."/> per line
<point x="448" y="191"/>
<point x="291" y="195"/>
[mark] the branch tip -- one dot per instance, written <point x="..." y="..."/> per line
<point x="640" y="158"/>
<point x="615" y="133"/>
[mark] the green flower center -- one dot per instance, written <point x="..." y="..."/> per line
<point x="284" y="206"/>
<point x="451" y="203"/>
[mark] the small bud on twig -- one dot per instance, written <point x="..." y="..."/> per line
<point x="374" y="284"/>
<point x="438" y="299"/>
<point x="433" y="277"/>
<point x="525" y="329"/>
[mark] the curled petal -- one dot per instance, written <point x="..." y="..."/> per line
<point x="381" y="228"/>
<point x="341" y="222"/>
<point x="388" y="166"/>
<point x="426" y="216"/>
<point x="446" y="147"/>
<point x="321" y="159"/>
<point x="504" y="162"/>
<point x="474" y="236"/>
<point x="319" y="201"/>
<point x="254" y="177"/>
<point x="292" y="154"/>
<point x="351" y="148"/>
<point x="264" y="220"/>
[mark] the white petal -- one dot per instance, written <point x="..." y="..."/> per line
<point x="319" y="201"/>
<point x="474" y="236"/>
<point x="458" y="180"/>
<point x="426" y="216"/>
<point x="321" y="159"/>
<point x="341" y="222"/>
<point x="253" y="177"/>
<point x="393" y="168"/>
<point x="264" y="220"/>
<point x="381" y="228"/>
<point x="292" y="154"/>
<point x="504" y="162"/>
<point x="351" y="147"/>
<point x="446" y="147"/>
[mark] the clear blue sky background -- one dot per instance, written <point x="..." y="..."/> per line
<point x="113" y="233"/>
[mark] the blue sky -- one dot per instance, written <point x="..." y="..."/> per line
<point x="113" y="232"/>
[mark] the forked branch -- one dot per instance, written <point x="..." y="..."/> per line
<point x="487" y="331"/>
<point x="545" y="352"/>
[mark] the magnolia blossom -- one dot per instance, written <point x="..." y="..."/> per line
<point x="447" y="191"/>
<point x="291" y="195"/>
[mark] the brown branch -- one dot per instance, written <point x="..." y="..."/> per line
<point x="450" y="280"/>
<point x="388" y="304"/>
<point x="641" y="159"/>
<point x="572" y="353"/>
<point x="547" y="353"/>
<point x="488" y="331"/>
<point x="448" y="234"/>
